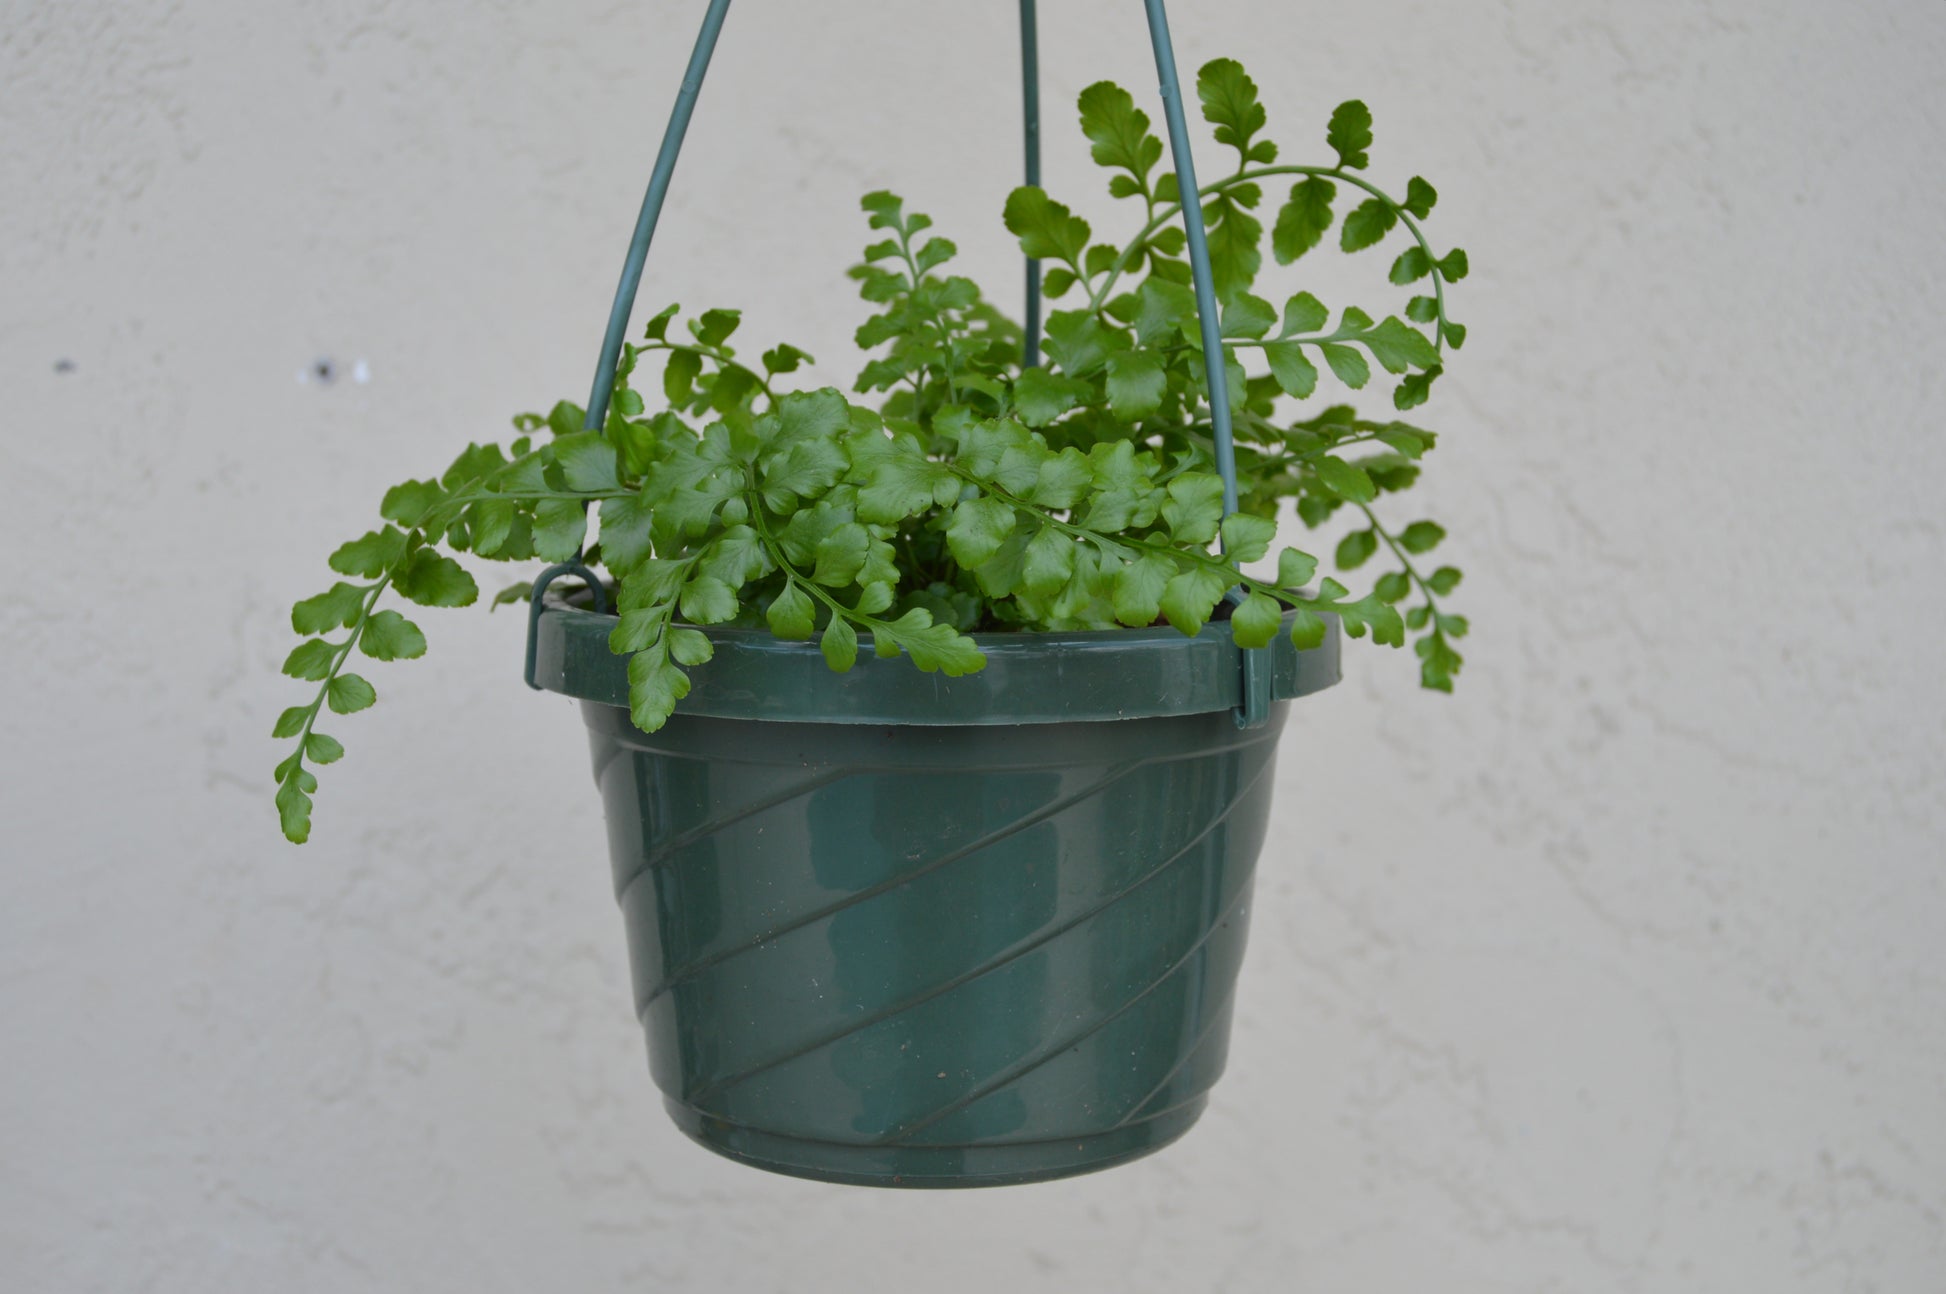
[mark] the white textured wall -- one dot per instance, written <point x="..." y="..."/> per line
<point x="1623" y="970"/>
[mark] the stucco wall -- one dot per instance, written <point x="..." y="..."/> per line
<point x="1622" y="970"/>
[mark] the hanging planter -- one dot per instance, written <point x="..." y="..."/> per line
<point x="919" y="931"/>
<point x="973" y="917"/>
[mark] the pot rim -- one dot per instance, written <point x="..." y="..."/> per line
<point x="1030" y="677"/>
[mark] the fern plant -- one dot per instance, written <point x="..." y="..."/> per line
<point x="953" y="491"/>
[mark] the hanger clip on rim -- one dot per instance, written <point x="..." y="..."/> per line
<point x="1254" y="678"/>
<point x="541" y="582"/>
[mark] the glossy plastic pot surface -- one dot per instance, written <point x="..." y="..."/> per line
<point x="926" y="953"/>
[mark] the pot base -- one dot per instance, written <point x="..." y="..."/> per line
<point x="935" y="1167"/>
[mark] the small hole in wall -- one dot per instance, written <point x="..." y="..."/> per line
<point x="64" y="366"/>
<point x="325" y="371"/>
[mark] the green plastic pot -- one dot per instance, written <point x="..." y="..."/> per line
<point x="894" y="929"/>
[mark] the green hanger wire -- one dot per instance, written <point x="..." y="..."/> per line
<point x="1256" y="690"/>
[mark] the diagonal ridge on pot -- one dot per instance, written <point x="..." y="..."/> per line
<point x="1061" y="922"/>
<point x="1197" y="982"/>
<point x="745" y="831"/>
